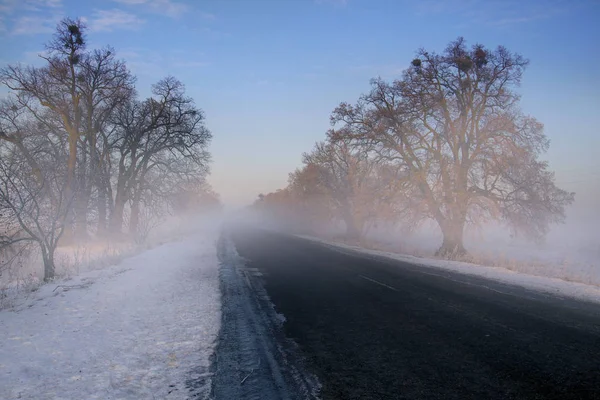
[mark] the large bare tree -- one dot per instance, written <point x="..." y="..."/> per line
<point x="77" y="90"/>
<point x="163" y="135"/>
<point x="72" y="131"/>
<point x="453" y="126"/>
<point x="54" y="86"/>
<point x="33" y="202"/>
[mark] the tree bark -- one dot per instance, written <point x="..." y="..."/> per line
<point x="134" y="219"/>
<point x="48" y="259"/>
<point x="116" y="217"/>
<point x="452" y="245"/>
<point x="81" y="209"/>
<point x="101" y="229"/>
<point x="353" y="226"/>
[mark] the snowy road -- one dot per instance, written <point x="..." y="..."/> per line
<point x="142" y="329"/>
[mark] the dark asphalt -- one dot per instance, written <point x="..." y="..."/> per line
<point x="376" y="328"/>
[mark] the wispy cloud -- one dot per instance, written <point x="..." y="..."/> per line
<point x="495" y="12"/>
<point x="7" y="6"/>
<point x="336" y="3"/>
<point x="145" y="62"/>
<point x="208" y="16"/>
<point x="29" y="17"/>
<point x="33" y="25"/>
<point x="189" y="64"/>
<point x="386" y="71"/>
<point x="109" y="20"/>
<point x="34" y="57"/>
<point x="166" y="7"/>
<point x="42" y="5"/>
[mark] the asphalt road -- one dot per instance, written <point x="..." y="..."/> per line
<point x="374" y="328"/>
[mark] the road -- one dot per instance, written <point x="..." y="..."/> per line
<point x="375" y="328"/>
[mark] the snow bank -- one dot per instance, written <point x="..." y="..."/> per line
<point x="144" y="328"/>
<point x="540" y="283"/>
<point x="570" y="252"/>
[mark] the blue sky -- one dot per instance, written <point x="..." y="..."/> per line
<point x="268" y="73"/>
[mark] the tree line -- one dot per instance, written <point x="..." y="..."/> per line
<point x="447" y="141"/>
<point x="82" y="155"/>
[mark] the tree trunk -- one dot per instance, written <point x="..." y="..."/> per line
<point x="82" y="197"/>
<point x="81" y="209"/>
<point x="72" y="161"/>
<point x="134" y="219"/>
<point x="116" y="217"/>
<point x="69" y="190"/>
<point x="452" y="246"/>
<point x="48" y="258"/>
<point x="101" y="230"/>
<point x="353" y="226"/>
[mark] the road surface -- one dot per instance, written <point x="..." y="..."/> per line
<point x="375" y="328"/>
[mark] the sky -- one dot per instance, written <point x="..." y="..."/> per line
<point x="268" y="73"/>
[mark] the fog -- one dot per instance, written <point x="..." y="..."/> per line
<point x="460" y="173"/>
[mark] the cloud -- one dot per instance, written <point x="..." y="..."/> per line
<point x="494" y="12"/>
<point x="336" y="3"/>
<point x="207" y="15"/>
<point x="34" y="25"/>
<point x="109" y="20"/>
<point x="42" y="5"/>
<point x="190" y="64"/>
<point x="151" y="63"/>
<point x="385" y="71"/>
<point x="170" y="8"/>
<point x="31" y="17"/>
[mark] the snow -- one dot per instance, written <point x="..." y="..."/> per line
<point x="544" y="284"/>
<point x="570" y="252"/>
<point x="144" y="328"/>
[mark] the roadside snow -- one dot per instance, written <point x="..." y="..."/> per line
<point x="544" y="284"/>
<point x="144" y="328"/>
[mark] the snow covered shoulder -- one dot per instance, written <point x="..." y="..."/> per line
<point x="142" y="329"/>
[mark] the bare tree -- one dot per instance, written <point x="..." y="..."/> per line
<point x="75" y="144"/>
<point x="453" y="127"/>
<point x="81" y="89"/>
<point x="164" y="134"/>
<point x="306" y="200"/>
<point x="27" y="213"/>
<point x="54" y="86"/>
<point x="104" y="83"/>
<point x="348" y="176"/>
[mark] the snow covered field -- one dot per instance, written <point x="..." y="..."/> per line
<point x="142" y="329"/>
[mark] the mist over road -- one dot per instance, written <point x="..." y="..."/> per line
<point x="375" y="328"/>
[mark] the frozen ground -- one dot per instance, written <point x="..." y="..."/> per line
<point x="142" y="329"/>
<point x="541" y="283"/>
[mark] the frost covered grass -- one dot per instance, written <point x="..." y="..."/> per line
<point x="144" y="328"/>
<point x="23" y="275"/>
